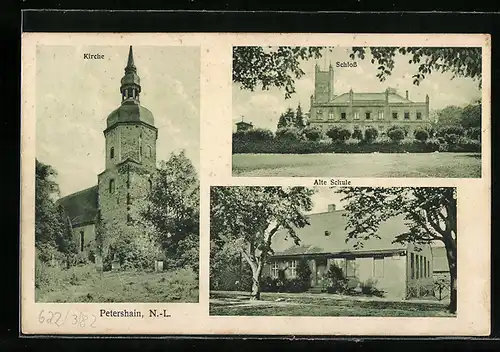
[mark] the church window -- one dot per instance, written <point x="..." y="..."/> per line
<point x="111" y="186"/>
<point x="112" y="153"/>
<point x="407" y="115"/>
<point x="82" y="240"/>
<point x="342" y="115"/>
<point x="419" y="115"/>
<point x="394" y="115"/>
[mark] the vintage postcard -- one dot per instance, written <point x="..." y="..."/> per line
<point x="260" y="184"/>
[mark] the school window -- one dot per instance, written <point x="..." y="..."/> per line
<point x="356" y="115"/>
<point x="112" y="153"/>
<point x="380" y="115"/>
<point x="331" y="116"/>
<point x="274" y="270"/>
<point x="350" y="267"/>
<point x="111" y="186"/>
<point x="417" y="265"/>
<point x="343" y="115"/>
<point x="407" y="115"/>
<point x="378" y="267"/>
<point x="82" y="241"/>
<point x="419" y="115"/>
<point x="293" y="268"/>
<point x="412" y="266"/>
<point x="368" y="115"/>
<point x="394" y="115"/>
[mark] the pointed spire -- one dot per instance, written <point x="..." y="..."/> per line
<point x="130" y="61"/>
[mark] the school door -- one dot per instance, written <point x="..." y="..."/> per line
<point x="320" y="271"/>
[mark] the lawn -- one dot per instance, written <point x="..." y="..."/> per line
<point x="438" y="165"/>
<point x="288" y="304"/>
<point x="84" y="284"/>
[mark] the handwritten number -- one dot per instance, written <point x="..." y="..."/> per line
<point x="92" y="325"/>
<point x="49" y="320"/>
<point x="41" y="318"/>
<point x="58" y="318"/>
<point x="76" y="319"/>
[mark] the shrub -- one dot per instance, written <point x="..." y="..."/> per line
<point x="456" y="130"/>
<point x="344" y="134"/>
<point x="352" y="141"/>
<point x="357" y="134"/>
<point x="396" y="134"/>
<point x="451" y="138"/>
<point x="289" y="134"/>
<point x="313" y="133"/>
<point x="304" y="274"/>
<point x="182" y="284"/>
<point x="295" y="285"/>
<point x="368" y="288"/>
<point x="338" y="134"/>
<point x="259" y="134"/>
<point x="432" y="145"/>
<point x="474" y="133"/>
<point x="371" y="134"/>
<point x="337" y="282"/>
<point x="421" y="135"/>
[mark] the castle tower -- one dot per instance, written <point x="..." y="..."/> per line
<point x="130" y="153"/>
<point x="323" y="84"/>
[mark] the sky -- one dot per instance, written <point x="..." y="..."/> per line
<point x="263" y="108"/>
<point x="325" y="196"/>
<point x="75" y="96"/>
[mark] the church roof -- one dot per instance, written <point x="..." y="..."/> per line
<point x="130" y="111"/>
<point x="393" y="97"/>
<point x="314" y="239"/>
<point x="81" y="207"/>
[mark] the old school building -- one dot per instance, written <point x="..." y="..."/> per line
<point x="402" y="271"/>
<point x="359" y="110"/>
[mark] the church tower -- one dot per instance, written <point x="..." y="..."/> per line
<point x="130" y="153"/>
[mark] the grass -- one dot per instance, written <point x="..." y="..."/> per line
<point x="84" y="284"/>
<point x="438" y="165"/>
<point x="237" y="304"/>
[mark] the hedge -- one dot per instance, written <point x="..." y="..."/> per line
<point x="277" y="146"/>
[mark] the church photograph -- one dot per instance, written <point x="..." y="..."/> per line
<point x="357" y="112"/>
<point x="117" y="174"/>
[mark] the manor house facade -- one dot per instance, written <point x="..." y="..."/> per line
<point x="130" y="160"/>
<point x="359" y="110"/>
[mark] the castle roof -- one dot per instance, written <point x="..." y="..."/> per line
<point x="81" y="207"/>
<point x="393" y="97"/>
<point x="315" y="241"/>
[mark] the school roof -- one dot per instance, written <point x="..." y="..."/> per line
<point x="315" y="241"/>
<point x="81" y="207"/>
<point x="439" y="260"/>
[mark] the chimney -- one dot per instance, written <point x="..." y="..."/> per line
<point x="331" y="208"/>
<point x="406" y="95"/>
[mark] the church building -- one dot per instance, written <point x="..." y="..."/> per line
<point x="130" y="160"/>
<point x="360" y="110"/>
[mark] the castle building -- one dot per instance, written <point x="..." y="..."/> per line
<point x="130" y="160"/>
<point x="361" y="110"/>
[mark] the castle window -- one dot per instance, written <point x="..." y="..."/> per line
<point x="112" y="153"/>
<point x="111" y="186"/>
<point x="331" y="116"/>
<point x="407" y="115"/>
<point x="342" y="115"/>
<point x="419" y="115"/>
<point x="380" y="115"/>
<point x="356" y="115"/>
<point x="82" y="240"/>
<point x="150" y="151"/>
<point x="395" y="115"/>
<point x="368" y="115"/>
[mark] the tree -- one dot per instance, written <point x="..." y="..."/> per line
<point x="471" y="115"/>
<point x="172" y="207"/>
<point x="396" y="134"/>
<point x="460" y="61"/>
<point x="300" y="119"/>
<point x="371" y="134"/>
<point x="249" y="217"/>
<point x="268" y="67"/>
<point x="450" y="116"/>
<point x="287" y="119"/>
<point x="313" y="133"/>
<point x="430" y="214"/>
<point x="289" y="134"/>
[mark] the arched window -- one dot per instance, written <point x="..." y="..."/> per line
<point x="150" y="151"/>
<point x="111" y="186"/>
<point x="112" y="153"/>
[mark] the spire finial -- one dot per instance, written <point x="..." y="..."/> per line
<point x="130" y="61"/>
